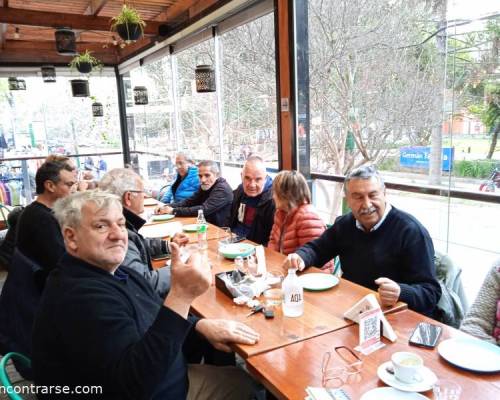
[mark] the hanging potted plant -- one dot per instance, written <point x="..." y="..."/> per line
<point x="85" y="62"/>
<point x="128" y="24"/>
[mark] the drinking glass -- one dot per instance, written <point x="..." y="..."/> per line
<point x="445" y="389"/>
<point x="240" y="264"/>
<point x="224" y="237"/>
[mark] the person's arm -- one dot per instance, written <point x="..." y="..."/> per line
<point x="167" y="197"/>
<point x="321" y="250"/>
<point x="481" y="319"/>
<point x="421" y="290"/>
<point x="49" y="241"/>
<point x="309" y="227"/>
<point x="159" y="279"/>
<point x="274" y="235"/>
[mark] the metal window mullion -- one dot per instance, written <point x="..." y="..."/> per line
<point x="218" y="93"/>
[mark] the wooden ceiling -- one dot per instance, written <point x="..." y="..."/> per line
<point x="27" y="27"/>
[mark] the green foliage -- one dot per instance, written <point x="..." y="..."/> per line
<point x="388" y="164"/>
<point x="128" y="15"/>
<point x="473" y="169"/>
<point x="86" y="57"/>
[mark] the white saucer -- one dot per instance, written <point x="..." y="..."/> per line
<point x="388" y="393"/>
<point x="428" y="379"/>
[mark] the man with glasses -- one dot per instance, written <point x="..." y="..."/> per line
<point x="38" y="234"/>
<point x="186" y="182"/>
<point x="129" y="186"/>
<point x="380" y="246"/>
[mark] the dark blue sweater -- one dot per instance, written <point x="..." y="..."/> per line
<point x="400" y="249"/>
<point x="94" y="328"/>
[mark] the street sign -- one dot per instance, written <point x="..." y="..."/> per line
<point x="418" y="157"/>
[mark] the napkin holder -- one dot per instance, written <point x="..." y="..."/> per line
<point x="221" y="285"/>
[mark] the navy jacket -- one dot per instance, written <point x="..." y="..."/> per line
<point x="94" y="328"/>
<point x="215" y="203"/>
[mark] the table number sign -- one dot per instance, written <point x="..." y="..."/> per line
<point x="369" y="331"/>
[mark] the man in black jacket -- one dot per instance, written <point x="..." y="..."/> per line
<point x="252" y="213"/>
<point x="214" y="197"/>
<point x="380" y="247"/>
<point x="101" y="325"/>
<point x="129" y="186"/>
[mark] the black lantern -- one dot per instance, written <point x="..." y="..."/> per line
<point x="80" y="88"/>
<point x="49" y="73"/>
<point x="205" y="79"/>
<point x="97" y="109"/>
<point x="140" y="95"/>
<point x="17" y="84"/>
<point x="65" y="42"/>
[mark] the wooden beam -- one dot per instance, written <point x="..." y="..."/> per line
<point x="3" y="35"/>
<point x="173" y="11"/>
<point x="95" y="7"/>
<point x="56" y="20"/>
<point x="35" y="56"/>
<point x="49" y="46"/>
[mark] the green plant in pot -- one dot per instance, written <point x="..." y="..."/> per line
<point x="85" y="62"/>
<point x="128" y="24"/>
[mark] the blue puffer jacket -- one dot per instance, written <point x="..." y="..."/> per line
<point x="183" y="188"/>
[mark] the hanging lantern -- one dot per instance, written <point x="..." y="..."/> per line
<point x="65" y="42"/>
<point x="140" y="95"/>
<point x="17" y="84"/>
<point x="97" y="109"/>
<point x="80" y="88"/>
<point x="48" y="73"/>
<point x="205" y="79"/>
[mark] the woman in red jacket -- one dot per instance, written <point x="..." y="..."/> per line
<point x="296" y="222"/>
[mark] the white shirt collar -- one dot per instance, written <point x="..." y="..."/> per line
<point x="375" y="227"/>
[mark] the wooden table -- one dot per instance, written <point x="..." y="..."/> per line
<point x="287" y="371"/>
<point x="323" y="311"/>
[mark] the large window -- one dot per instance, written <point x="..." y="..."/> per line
<point x="414" y="88"/>
<point x="249" y="78"/>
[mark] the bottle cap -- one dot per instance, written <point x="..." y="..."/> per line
<point x="202" y="228"/>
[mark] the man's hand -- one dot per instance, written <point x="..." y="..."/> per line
<point x="164" y="210"/>
<point x="189" y="280"/>
<point x="180" y="239"/>
<point x="293" y="261"/>
<point x="388" y="291"/>
<point x="220" y="333"/>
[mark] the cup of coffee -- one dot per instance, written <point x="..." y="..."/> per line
<point x="407" y="366"/>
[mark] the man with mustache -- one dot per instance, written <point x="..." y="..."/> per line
<point x="214" y="197"/>
<point x="380" y="246"/>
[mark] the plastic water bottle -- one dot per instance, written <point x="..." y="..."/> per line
<point x="293" y="295"/>
<point x="202" y="231"/>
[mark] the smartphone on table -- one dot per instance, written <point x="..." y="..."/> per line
<point x="425" y="335"/>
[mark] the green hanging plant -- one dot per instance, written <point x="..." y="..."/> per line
<point x="85" y="62"/>
<point x="129" y="24"/>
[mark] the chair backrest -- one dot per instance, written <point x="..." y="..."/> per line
<point x="4" y="376"/>
<point x="452" y="305"/>
<point x="19" y="301"/>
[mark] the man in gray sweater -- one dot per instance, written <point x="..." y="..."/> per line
<point x="129" y="186"/>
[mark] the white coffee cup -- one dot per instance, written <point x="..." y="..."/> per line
<point x="407" y="366"/>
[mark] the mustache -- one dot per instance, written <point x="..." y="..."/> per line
<point x="367" y="211"/>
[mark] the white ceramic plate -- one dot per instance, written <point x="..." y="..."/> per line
<point x="429" y="378"/>
<point x="388" y="393"/>
<point x="234" y="250"/>
<point x="150" y="202"/>
<point x="471" y="354"/>
<point x="161" y="230"/>
<point x="162" y="217"/>
<point x="318" y="281"/>
<point x="190" y="228"/>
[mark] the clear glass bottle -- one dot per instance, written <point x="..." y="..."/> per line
<point x="202" y="231"/>
<point x="293" y="295"/>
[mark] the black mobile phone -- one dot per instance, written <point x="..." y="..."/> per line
<point x="425" y="335"/>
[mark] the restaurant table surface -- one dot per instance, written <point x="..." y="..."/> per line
<point x="323" y="311"/>
<point x="287" y="371"/>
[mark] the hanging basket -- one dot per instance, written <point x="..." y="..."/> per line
<point x="205" y="79"/>
<point x="140" y="95"/>
<point x="48" y="73"/>
<point x="84" y="67"/>
<point x="97" y="109"/>
<point x="129" y="31"/>
<point x="65" y="42"/>
<point x="80" y="88"/>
